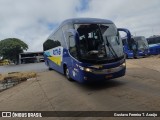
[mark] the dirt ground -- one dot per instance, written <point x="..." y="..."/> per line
<point x="138" y="90"/>
<point x="151" y="62"/>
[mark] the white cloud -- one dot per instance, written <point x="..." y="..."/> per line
<point x="29" y="19"/>
<point x="21" y="18"/>
<point x="139" y="16"/>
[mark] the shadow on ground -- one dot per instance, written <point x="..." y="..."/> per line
<point x="98" y="85"/>
<point x="101" y="85"/>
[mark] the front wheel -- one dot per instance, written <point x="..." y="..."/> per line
<point x="67" y="74"/>
<point x="135" y="55"/>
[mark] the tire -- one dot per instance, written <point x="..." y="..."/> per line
<point x="67" y="74"/>
<point x="135" y="55"/>
<point x="49" y="68"/>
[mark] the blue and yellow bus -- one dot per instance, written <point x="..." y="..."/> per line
<point x="154" y="45"/>
<point x="86" y="49"/>
<point x="136" y="47"/>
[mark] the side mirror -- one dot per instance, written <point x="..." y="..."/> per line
<point x="74" y="34"/>
<point x="73" y="42"/>
<point x="126" y="31"/>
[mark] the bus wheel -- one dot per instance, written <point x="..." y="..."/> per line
<point x="135" y="56"/>
<point x="67" y="74"/>
<point x="49" y="68"/>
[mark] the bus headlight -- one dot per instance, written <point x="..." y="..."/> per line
<point x="88" y="70"/>
<point x="85" y="69"/>
<point x="124" y="64"/>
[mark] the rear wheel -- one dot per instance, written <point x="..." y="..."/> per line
<point x="49" y="68"/>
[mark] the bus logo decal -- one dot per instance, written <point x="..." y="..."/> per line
<point x="55" y="55"/>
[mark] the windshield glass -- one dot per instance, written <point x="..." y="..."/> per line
<point x="99" y="41"/>
<point x="142" y="42"/>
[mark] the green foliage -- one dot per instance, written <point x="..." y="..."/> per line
<point x="11" y="47"/>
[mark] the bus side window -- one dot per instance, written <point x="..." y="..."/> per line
<point x="72" y="46"/>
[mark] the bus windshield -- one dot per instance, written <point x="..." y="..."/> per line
<point x="99" y="41"/>
<point x="142" y="42"/>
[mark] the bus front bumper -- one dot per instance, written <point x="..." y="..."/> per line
<point x="106" y="74"/>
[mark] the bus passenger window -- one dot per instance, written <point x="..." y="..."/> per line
<point x="72" y="46"/>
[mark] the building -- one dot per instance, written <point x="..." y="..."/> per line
<point x="31" y="57"/>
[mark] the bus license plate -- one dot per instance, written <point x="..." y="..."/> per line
<point x="109" y="76"/>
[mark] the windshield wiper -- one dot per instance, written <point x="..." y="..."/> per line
<point x="111" y="49"/>
<point x="108" y="44"/>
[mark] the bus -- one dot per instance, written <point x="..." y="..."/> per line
<point x="154" y="45"/>
<point x="136" y="47"/>
<point x="86" y="49"/>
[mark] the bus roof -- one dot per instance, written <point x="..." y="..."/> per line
<point x="86" y="20"/>
<point x="83" y="20"/>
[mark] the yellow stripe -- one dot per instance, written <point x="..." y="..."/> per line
<point x="56" y="59"/>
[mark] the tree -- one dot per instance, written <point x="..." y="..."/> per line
<point x="11" y="47"/>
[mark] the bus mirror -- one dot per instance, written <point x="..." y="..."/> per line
<point x="126" y="31"/>
<point x="73" y="38"/>
<point x="74" y="33"/>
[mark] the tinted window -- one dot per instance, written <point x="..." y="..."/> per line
<point x="49" y="44"/>
<point x="153" y="40"/>
<point x="54" y="40"/>
<point x="58" y="37"/>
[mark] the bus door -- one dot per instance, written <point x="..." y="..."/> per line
<point x="72" y="63"/>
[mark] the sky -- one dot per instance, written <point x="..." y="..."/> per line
<point x="34" y="20"/>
